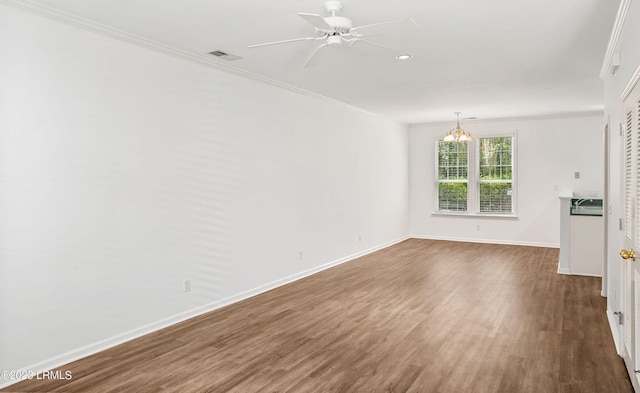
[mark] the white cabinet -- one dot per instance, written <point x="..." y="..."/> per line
<point x="581" y="240"/>
<point x="586" y="249"/>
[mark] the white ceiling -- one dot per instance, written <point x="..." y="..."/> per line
<point x="487" y="59"/>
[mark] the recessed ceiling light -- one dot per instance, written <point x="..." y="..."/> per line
<point x="403" y="57"/>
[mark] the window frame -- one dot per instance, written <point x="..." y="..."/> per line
<point x="474" y="182"/>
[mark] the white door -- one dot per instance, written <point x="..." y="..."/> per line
<point x="631" y="268"/>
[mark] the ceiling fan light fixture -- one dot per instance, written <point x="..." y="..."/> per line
<point x="333" y="40"/>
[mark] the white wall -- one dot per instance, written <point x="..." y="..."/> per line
<point x="547" y="157"/>
<point x="124" y="171"/>
<point x="614" y="84"/>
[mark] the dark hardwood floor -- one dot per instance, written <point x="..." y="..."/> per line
<point x="420" y="316"/>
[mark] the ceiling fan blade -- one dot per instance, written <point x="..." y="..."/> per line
<point x="384" y="23"/>
<point x="285" y="41"/>
<point x="316" y="20"/>
<point x="315" y="57"/>
<point x="386" y="49"/>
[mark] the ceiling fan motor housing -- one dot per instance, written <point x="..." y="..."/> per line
<point x="339" y="24"/>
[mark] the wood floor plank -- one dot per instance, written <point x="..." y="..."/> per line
<point x="420" y="316"/>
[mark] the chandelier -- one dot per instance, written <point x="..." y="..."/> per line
<point x="457" y="134"/>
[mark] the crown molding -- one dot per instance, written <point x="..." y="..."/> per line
<point x="623" y="10"/>
<point x="548" y="116"/>
<point x="207" y="61"/>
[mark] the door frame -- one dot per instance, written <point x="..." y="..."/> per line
<point x="607" y="208"/>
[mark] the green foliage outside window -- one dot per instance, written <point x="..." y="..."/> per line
<point x="495" y="198"/>
<point x="495" y="158"/>
<point x="452" y="197"/>
<point x="453" y="174"/>
<point x="453" y="161"/>
<point x="496" y="173"/>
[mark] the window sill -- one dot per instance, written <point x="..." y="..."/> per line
<point x="476" y="215"/>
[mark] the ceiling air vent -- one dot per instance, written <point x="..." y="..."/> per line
<point x="224" y="55"/>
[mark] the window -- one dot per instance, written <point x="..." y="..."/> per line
<point x="453" y="176"/>
<point x="495" y="179"/>
<point x="490" y="188"/>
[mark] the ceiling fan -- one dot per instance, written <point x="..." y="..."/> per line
<point x="334" y="31"/>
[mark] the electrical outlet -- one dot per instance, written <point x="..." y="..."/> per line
<point x="477" y="227"/>
<point x="300" y="255"/>
<point x="186" y="285"/>
<point x="576" y="175"/>
<point x="360" y="238"/>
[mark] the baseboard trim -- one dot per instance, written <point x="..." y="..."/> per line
<point x="587" y="275"/>
<point x="613" y="326"/>
<point x="568" y="272"/>
<point x="491" y="241"/>
<point x="77" y="354"/>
